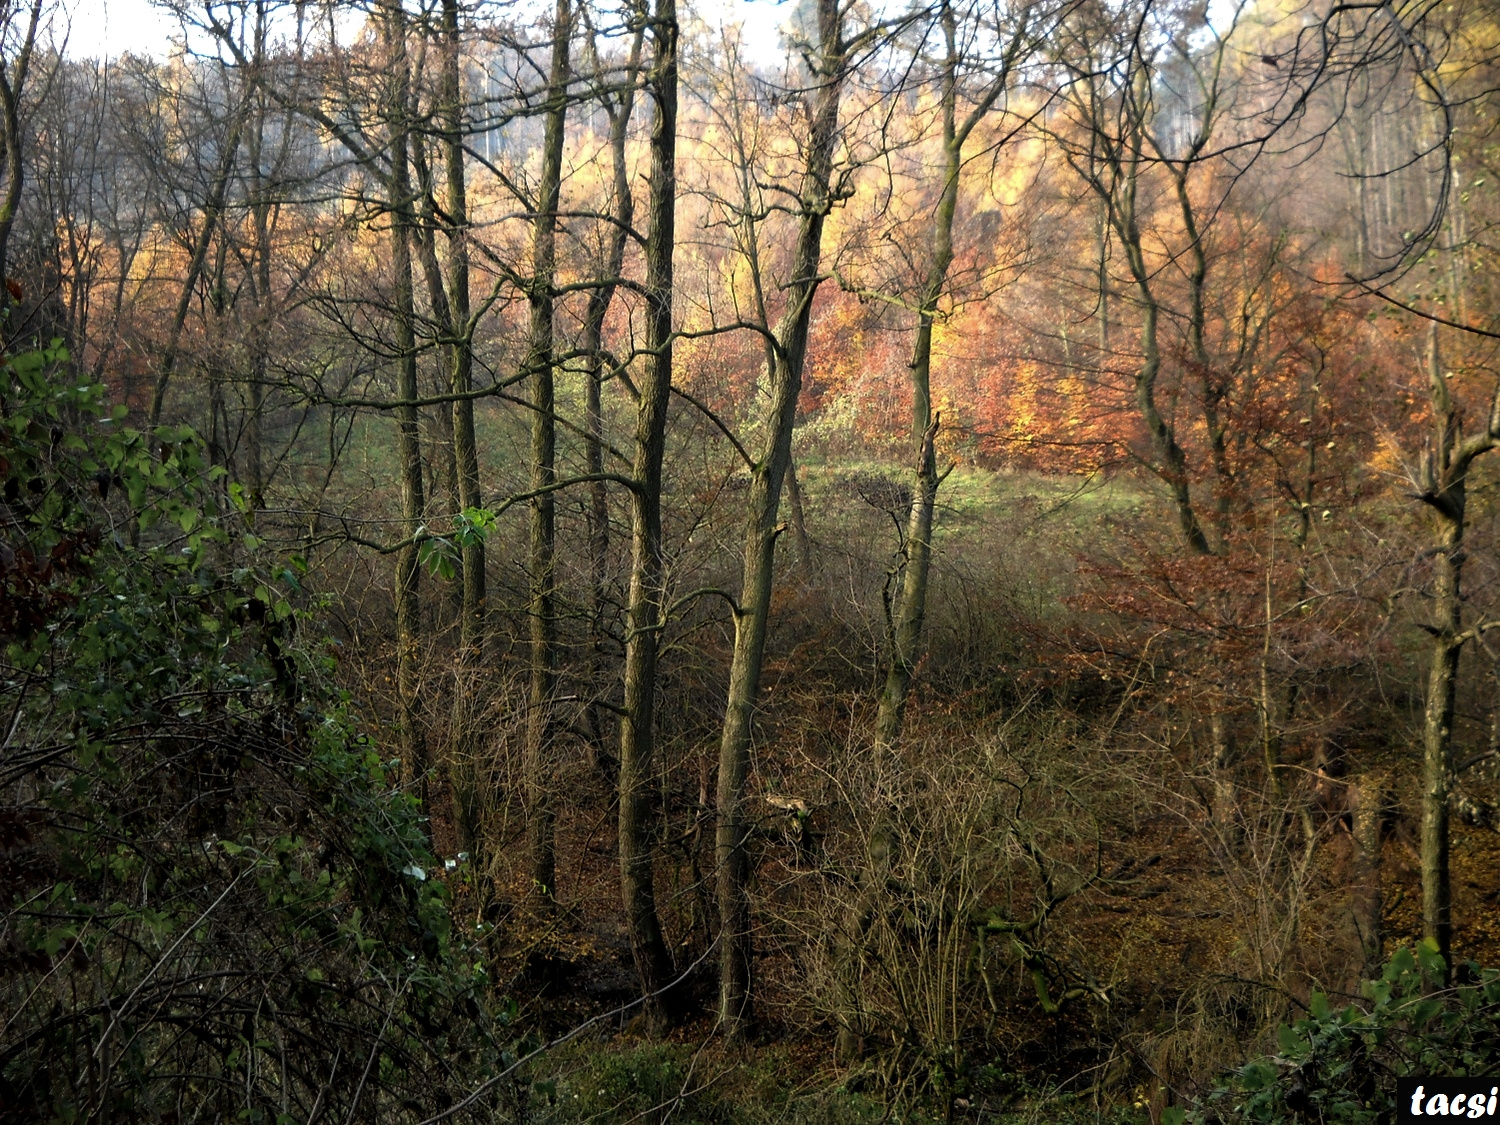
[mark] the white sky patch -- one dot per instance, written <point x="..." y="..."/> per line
<point x="759" y="20"/>
<point x="110" y="28"/>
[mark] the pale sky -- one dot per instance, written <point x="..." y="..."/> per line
<point x="107" y="28"/>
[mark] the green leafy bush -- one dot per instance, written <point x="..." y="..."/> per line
<point x="1339" y="1065"/>
<point x="214" y="905"/>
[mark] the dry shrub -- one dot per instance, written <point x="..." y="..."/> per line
<point x="922" y="897"/>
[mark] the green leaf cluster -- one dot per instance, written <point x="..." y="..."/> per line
<point x="1339" y="1064"/>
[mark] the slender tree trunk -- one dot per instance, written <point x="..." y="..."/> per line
<point x="1211" y="388"/>
<point x="798" y="515"/>
<point x="472" y="625"/>
<point x="1437" y="729"/>
<point x="448" y="295"/>
<point x="540" y="726"/>
<point x="597" y="712"/>
<point x="1226" y="806"/>
<point x="1443" y="479"/>
<point x="1114" y="176"/>
<point x="645" y="608"/>
<point x="1368" y="800"/>
<point x="592" y="345"/>
<point x="408" y="430"/>
<point x="1446" y="493"/>
<point x="1171" y="461"/>
<point x="263" y="210"/>
<point x="254" y="437"/>
<point x="12" y="87"/>
<point x="1101" y="251"/>
<point x="909" y="608"/>
<point x="757" y="572"/>
<point x="442" y="471"/>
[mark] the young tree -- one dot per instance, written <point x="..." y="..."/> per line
<point x="970" y="81"/>
<point x="618" y="104"/>
<point x="828" y="61"/>
<point x="1112" y="112"/>
<point x="1442" y="479"/>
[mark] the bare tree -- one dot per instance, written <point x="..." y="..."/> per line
<point x="965" y="73"/>
<point x="1442" y="479"/>
<point x="645" y="611"/>
<point x="618" y="105"/>
<point x="828" y="61"/>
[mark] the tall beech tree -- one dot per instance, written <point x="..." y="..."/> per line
<point x="539" y="364"/>
<point x="646" y="609"/>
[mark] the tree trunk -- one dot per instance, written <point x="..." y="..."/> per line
<point x="461" y="345"/>
<point x="1368" y="801"/>
<point x="798" y="515"/>
<point x="1212" y="389"/>
<point x="542" y="622"/>
<point x="908" y="611"/>
<point x="592" y="345"/>
<point x="1171" y="461"/>
<point x="645" y="609"/>
<point x="1443" y="480"/>
<point x="1226" y="805"/>
<point x="907" y="606"/>
<point x="261" y="213"/>
<point x="910" y="602"/>
<point x="12" y="88"/>
<point x="408" y="435"/>
<point x="1113" y="173"/>
<point x="1444" y="486"/>
<point x="1437" y="733"/>
<point x="757" y="571"/>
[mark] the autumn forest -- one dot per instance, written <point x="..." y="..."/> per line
<point x="576" y="562"/>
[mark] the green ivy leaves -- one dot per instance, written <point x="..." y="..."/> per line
<point x="1339" y="1064"/>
